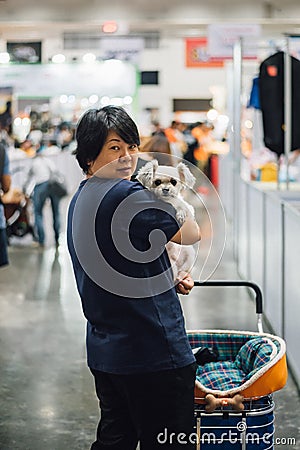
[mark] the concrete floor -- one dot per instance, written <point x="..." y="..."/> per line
<point x="46" y="391"/>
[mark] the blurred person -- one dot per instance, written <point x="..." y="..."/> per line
<point x="5" y="138"/>
<point x="159" y="145"/>
<point x="157" y="129"/>
<point x="191" y="143"/>
<point x="27" y="147"/>
<point x="176" y="139"/>
<point x="202" y="132"/>
<point x="35" y="136"/>
<point x="50" y="147"/>
<point x="137" y="348"/>
<point x="5" y="183"/>
<point x="64" y="136"/>
<point x="6" y="118"/>
<point x="40" y="173"/>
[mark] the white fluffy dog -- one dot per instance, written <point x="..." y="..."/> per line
<point x="168" y="183"/>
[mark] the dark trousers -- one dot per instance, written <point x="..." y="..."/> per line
<point x="155" y="409"/>
<point x="3" y="248"/>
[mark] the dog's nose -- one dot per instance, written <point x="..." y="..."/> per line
<point x="165" y="190"/>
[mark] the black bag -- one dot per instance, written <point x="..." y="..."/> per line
<point x="57" y="185"/>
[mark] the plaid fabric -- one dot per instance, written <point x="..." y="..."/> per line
<point x="219" y="375"/>
<point x="253" y="355"/>
<point x="227" y="344"/>
<point x="240" y="357"/>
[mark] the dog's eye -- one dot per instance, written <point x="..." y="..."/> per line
<point x="173" y="182"/>
<point x="157" y="182"/>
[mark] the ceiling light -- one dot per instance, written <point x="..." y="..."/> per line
<point x="93" y="98"/>
<point x="212" y="114"/>
<point x="89" y="58"/>
<point x="59" y="58"/>
<point x="127" y="100"/>
<point x="63" y="98"/>
<point x="109" y="27"/>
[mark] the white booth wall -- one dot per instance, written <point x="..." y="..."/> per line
<point x="267" y="242"/>
<point x="175" y="79"/>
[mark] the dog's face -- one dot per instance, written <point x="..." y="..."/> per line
<point x="165" y="181"/>
<point x="166" y="185"/>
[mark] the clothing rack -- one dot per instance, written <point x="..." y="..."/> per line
<point x="237" y="64"/>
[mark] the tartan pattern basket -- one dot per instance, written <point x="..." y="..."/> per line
<point x="249" y="363"/>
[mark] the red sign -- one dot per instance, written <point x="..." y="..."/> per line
<point x="196" y="54"/>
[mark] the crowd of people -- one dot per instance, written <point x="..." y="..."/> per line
<point x="42" y="141"/>
<point x="190" y="142"/>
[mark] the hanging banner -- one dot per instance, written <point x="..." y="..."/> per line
<point x="197" y="55"/>
<point x="124" y="49"/>
<point x="222" y="37"/>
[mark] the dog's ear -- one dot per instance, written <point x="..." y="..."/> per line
<point x="185" y="175"/>
<point x="146" y="173"/>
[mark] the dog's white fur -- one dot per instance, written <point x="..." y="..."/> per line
<point x="168" y="183"/>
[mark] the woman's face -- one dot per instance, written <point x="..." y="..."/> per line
<point x="117" y="159"/>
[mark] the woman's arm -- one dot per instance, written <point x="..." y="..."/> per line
<point x="188" y="234"/>
<point x="5" y="183"/>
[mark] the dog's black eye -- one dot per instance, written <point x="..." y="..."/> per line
<point x="157" y="182"/>
<point x="173" y="182"/>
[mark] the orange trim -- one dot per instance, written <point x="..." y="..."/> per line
<point x="272" y="380"/>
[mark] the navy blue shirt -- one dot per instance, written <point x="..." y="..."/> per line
<point x="117" y="232"/>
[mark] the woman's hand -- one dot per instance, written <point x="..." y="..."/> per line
<point x="186" y="285"/>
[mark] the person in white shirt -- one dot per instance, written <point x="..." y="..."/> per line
<point x="40" y="172"/>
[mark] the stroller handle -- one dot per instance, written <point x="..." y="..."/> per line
<point x="250" y="284"/>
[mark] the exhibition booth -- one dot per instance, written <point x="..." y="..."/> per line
<point x="265" y="210"/>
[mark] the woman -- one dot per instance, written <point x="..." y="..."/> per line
<point x="137" y="348"/>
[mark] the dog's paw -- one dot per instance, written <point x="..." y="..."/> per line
<point x="181" y="216"/>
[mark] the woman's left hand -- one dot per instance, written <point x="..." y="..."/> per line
<point x="186" y="285"/>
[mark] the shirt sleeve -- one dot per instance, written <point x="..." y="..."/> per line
<point x="151" y="213"/>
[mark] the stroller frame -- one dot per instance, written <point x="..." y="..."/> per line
<point x="251" y="426"/>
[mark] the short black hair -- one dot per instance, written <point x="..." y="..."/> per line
<point x="93" y="128"/>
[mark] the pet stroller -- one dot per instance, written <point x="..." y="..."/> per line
<point x="236" y="376"/>
<point x="16" y="210"/>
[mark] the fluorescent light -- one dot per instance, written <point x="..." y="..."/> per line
<point x="63" y="98"/>
<point x="127" y="100"/>
<point x="93" y="98"/>
<point x="59" y="58"/>
<point x="89" y="58"/>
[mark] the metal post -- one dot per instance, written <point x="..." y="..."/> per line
<point x="236" y="151"/>
<point x="287" y="107"/>
<point x="237" y="88"/>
